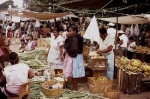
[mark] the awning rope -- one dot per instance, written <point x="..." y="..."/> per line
<point x="103" y="7"/>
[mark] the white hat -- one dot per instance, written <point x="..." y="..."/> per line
<point x="111" y="24"/>
<point x="120" y="32"/>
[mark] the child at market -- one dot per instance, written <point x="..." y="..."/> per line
<point x="22" y="46"/>
<point x="131" y="46"/>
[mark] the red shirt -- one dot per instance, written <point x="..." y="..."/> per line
<point x="8" y="34"/>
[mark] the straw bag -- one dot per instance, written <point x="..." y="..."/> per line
<point x="112" y="92"/>
<point x="51" y="92"/>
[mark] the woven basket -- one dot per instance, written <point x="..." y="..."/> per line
<point x="51" y="92"/>
<point x="112" y="94"/>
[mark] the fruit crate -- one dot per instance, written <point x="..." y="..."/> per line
<point x="97" y="64"/>
<point x="94" y="81"/>
<point x="128" y="82"/>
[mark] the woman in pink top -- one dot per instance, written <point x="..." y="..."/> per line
<point x="16" y="74"/>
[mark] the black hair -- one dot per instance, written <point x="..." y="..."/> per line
<point x="22" y="40"/>
<point x="131" y="38"/>
<point x="74" y="28"/>
<point x="103" y="31"/>
<point x="41" y="26"/>
<point x="31" y="36"/>
<point x="56" y="29"/>
<point x="13" y="58"/>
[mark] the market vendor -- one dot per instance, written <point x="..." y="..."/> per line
<point x="106" y="48"/>
<point x="122" y="43"/>
<point x="31" y="43"/>
<point x="55" y="53"/>
<point x="16" y="74"/>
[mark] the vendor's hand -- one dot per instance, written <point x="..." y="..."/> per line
<point x="99" y="52"/>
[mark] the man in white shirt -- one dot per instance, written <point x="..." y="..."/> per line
<point x="106" y="49"/>
<point x="123" y="40"/>
<point x="111" y="31"/>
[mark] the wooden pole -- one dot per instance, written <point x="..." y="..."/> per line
<point x="116" y="39"/>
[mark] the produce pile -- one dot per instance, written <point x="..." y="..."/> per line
<point x="36" y="93"/>
<point x="94" y="55"/>
<point x="142" y="49"/>
<point x="35" y="59"/>
<point x="35" y="89"/>
<point x="102" y="78"/>
<point x="133" y="66"/>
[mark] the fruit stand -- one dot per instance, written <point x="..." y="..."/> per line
<point x="142" y="53"/>
<point x="131" y="74"/>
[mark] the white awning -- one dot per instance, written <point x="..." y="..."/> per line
<point x="131" y="19"/>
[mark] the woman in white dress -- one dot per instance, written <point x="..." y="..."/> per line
<point x="55" y="53"/>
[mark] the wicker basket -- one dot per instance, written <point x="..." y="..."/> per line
<point x="112" y="94"/>
<point x="51" y="92"/>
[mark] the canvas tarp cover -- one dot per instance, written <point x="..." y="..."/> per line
<point x="39" y="16"/>
<point x="132" y="19"/>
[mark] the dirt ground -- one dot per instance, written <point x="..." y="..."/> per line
<point x="143" y="95"/>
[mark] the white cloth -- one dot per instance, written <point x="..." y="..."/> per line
<point x="54" y="52"/>
<point x="37" y="23"/>
<point x="15" y="76"/>
<point x="104" y="44"/>
<point x="92" y="31"/>
<point x="135" y="29"/>
<point x="22" y="24"/>
<point x="124" y="38"/>
<point x="13" y="26"/>
<point x="111" y="33"/>
<point x="131" y="45"/>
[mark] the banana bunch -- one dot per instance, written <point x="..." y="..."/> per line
<point x="133" y="66"/>
<point x="146" y="70"/>
<point x="134" y="69"/>
<point x="135" y="63"/>
<point x="102" y="78"/>
<point x="122" y="62"/>
<point x="141" y="49"/>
